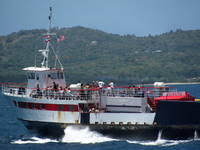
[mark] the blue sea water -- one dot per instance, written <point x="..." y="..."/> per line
<point x="14" y="136"/>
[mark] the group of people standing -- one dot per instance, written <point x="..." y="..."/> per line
<point x="83" y="91"/>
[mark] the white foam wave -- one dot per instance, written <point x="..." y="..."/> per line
<point x="83" y="136"/>
<point x="163" y="142"/>
<point x="33" y="140"/>
<point x="72" y="135"/>
<point x="160" y="142"/>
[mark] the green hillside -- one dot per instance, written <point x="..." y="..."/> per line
<point x="89" y="54"/>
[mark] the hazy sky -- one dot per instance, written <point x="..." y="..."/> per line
<point x="139" y="17"/>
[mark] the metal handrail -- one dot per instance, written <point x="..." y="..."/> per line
<point x="86" y="93"/>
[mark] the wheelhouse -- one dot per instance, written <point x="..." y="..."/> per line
<point x="43" y="78"/>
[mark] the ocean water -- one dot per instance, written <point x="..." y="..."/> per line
<point x="14" y="136"/>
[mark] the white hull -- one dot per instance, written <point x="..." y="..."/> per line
<point x="74" y="117"/>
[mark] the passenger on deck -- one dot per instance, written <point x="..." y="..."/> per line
<point x="82" y="92"/>
<point x="55" y="86"/>
<point x="111" y="84"/>
<point x="110" y="88"/>
<point x="101" y="84"/>
<point x="39" y="93"/>
<point x="61" y="92"/>
<point x="87" y="91"/>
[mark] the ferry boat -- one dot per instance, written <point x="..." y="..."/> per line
<point x="46" y="105"/>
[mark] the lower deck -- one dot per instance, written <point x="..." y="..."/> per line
<point x="132" y="132"/>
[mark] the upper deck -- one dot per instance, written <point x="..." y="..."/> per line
<point x="113" y="99"/>
<point x="82" y="93"/>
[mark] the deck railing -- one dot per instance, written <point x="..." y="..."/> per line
<point x="124" y="92"/>
<point x="92" y="95"/>
<point x="84" y="94"/>
<point x="14" y="89"/>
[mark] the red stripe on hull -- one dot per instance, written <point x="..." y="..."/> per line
<point x="50" y="107"/>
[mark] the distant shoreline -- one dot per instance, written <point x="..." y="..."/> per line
<point x="176" y="83"/>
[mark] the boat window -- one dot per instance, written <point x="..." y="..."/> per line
<point x="42" y="106"/>
<point x="71" y="108"/>
<point x="22" y="104"/>
<point x="61" y="107"/>
<point x="60" y="75"/>
<point x="31" y="75"/>
<point x="54" y="76"/>
<point x="37" y="76"/>
<point x="33" y="106"/>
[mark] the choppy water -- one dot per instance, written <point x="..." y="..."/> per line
<point x="13" y="135"/>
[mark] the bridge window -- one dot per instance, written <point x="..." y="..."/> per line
<point x="56" y="75"/>
<point x="31" y="75"/>
<point x="37" y="76"/>
<point x="60" y="75"/>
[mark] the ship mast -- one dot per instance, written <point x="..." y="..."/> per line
<point x="47" y="38"/>
<point x="45" y="52"/>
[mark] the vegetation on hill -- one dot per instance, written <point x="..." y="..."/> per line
<point x="89" y="55"/>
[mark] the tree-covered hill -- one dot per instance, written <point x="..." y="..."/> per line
<point x="89" y="54"/>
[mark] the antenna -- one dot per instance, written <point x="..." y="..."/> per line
<point x="47" y="38"/>
<point x="50" y="16"/>
<point x="45" y="52"/>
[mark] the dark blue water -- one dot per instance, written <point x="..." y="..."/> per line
<point x="13" y="135"/>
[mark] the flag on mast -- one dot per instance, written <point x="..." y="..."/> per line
<point x="47" y="38"/>
<point x="61" y="38"/>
